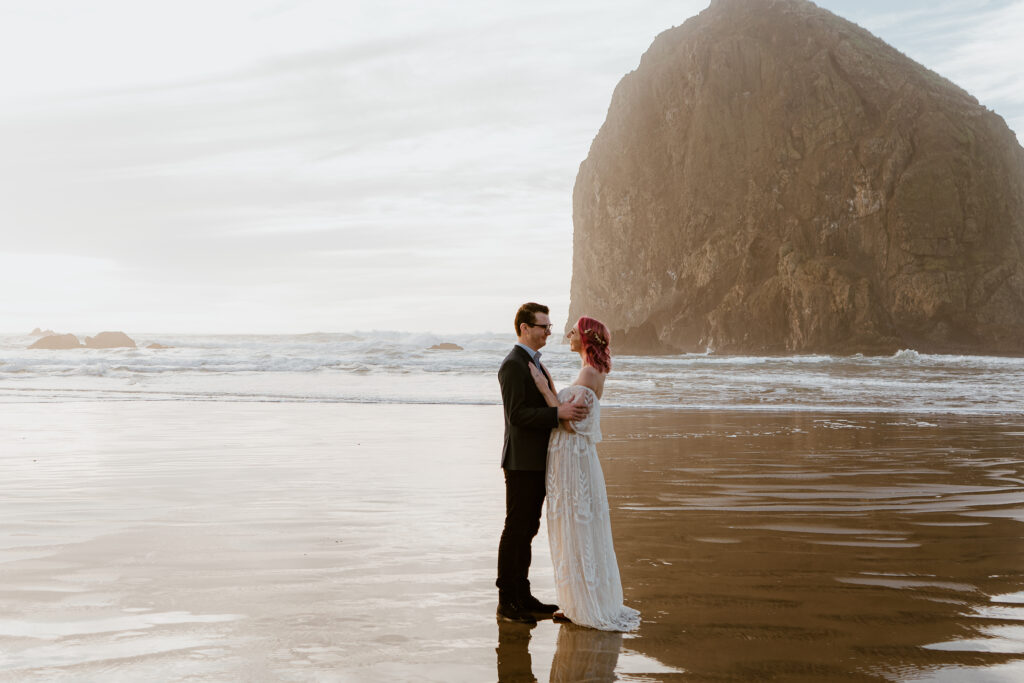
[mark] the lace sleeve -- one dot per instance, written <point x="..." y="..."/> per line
<point x="585" y="396"/>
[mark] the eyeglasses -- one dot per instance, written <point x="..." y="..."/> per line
<point x="546" y="327"/>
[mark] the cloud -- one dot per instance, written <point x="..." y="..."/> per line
<point x="406" y="146"/>
<point x="976" y="45"/>
<point x="291" y="153"/>
<point x="988" y="60"/>
<point x="435" y="122"/>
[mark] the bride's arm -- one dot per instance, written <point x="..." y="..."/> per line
<point x="547" y="390"/>
<point x="568" y="412"/>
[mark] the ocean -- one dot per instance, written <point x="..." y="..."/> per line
<point x="400" y="367"/>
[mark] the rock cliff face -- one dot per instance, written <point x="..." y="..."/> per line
<point x="775" y="179"/>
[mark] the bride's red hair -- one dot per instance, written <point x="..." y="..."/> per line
<point x="595" y="339"/>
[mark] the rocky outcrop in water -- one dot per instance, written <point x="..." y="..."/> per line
<point x="775" y="179"/>
<point x="103" y="340"/>
<point x="445" y="346"/>
<point x="110" y="340"/>
<point x="57" y="342"/>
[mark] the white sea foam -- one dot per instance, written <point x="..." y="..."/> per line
<point x="395" y="367"/>
<point x="908" y="355"/>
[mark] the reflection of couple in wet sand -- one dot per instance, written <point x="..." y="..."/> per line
<point x="581" y="654"/>
<point x="550" y="451"/>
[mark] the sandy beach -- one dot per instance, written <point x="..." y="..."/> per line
<point x="207" y="541"/>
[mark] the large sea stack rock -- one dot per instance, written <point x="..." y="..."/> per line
<point x="775" y="179"/>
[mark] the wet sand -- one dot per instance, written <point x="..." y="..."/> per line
<point x="330" y="542"/>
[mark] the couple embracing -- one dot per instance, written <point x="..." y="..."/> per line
<point x="549" y="451"/>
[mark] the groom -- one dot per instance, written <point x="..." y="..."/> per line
<point x="528" y="424"/>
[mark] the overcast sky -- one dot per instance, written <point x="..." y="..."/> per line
<point x="316" y="165"/>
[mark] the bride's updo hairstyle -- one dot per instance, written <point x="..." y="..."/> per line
<point x="595" y="339"/>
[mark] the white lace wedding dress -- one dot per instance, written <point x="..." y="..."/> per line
<point x="579" y="527"/>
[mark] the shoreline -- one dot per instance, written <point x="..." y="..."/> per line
<point x="779" y="410"/>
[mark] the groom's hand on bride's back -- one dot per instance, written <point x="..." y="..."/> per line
<point x="571" y="411"/>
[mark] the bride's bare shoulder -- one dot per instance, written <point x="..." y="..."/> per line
<point x="591" y="378"/>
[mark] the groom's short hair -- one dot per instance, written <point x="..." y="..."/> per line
<point x="527" y="314"/>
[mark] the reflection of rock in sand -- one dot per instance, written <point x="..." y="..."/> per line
<point x="56" y="341"/>
<point x="110" y="340"/>
<point x="445" y="346"/>
<point x="585" y="654"/>
<point x="158" y="345"/>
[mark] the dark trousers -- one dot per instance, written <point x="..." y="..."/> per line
<point x="524" y="498"/>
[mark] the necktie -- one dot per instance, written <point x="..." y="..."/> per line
<point x="536" y="360"/>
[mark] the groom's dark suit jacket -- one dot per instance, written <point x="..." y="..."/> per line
<point x="528" y="418"/>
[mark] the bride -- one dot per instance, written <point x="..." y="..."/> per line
<point x="579" y="527"/>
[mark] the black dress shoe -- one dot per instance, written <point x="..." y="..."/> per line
<point x="535" y="606"/>
<point x="515" y="613"/>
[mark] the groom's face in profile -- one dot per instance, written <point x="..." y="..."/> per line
<point x="536" y="335"/>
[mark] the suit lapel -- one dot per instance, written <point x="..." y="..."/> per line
<point x="529" y="361"/>
<point x="522" y="353"/>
